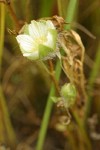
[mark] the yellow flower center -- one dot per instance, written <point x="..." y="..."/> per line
<point x="40" y="40"/>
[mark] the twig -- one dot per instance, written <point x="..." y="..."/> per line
<point x="53" y="77"/>
<point x="12" y="13"/>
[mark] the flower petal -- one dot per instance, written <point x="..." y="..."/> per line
<point x="50" y="25"/>
<point x="32" y="56"/>
<point x="51" y="39"/>
<point x="38" y="40"/>
<point x="42" y="28"/>
<point x="24" y="29"/>
<point x="26" y="43"/>
<point x="33" y="29"/>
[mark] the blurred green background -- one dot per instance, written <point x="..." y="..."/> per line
<point x="26" y="84"/>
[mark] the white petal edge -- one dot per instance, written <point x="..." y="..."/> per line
<point x="50" y="41"/>
<point x="32" y="56"/>
<point x="50" y="25"/>
<point x="33" y="29"/>
<point x="42" y="28"/>
<point x="25" y="42"/>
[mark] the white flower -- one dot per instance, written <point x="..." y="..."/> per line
<point x="38" y="39"/>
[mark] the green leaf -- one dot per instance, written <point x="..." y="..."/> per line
<point x="44" y="51"/>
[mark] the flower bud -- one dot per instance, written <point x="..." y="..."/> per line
<point x="68" y="91"/>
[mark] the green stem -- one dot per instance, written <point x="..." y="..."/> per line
<point x="48" y="109"/>
<point x="8" y="133"/>
<point x="9" y="136"/>
<point x="70" y="12"/>
<point x="95" y="69"/>
<point x="2" y="28"/>
<point x="46" y="7"/>
<point x="93" y="75"/>
<point x="60" y="8"/>
<point x="83" y="131"/>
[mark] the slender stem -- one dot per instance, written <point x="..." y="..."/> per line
<point x="2" y="28"/>
<point x="14" y="17"/>
<point x="70" y="12"/>
<point x="4" y="115"/>
<point x="47" y="111"/>
<point x="46" y="7"/>
<point x="53" y="77"/>
<point x="83" y="131"/>
<point x="95" y="69"/>
<point x="10" y="137"/>
<point x="60" y="8"/>
<point x="12" y="13"/>
<point x="93" y="75"/>
<point x="49" y="105"/>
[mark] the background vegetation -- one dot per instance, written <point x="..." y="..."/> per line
<point x="25" y="85"/>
